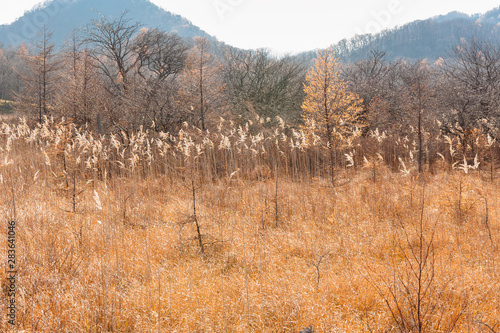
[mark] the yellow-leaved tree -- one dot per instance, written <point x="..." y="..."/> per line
<point x="330" y="110"/>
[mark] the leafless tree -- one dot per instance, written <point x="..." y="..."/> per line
<point x="418" y="101"/>
<point x="10" y="82"/>
<point x="112" y="44"/>
<point x="377" y="82"/>
<point x="140" y="67"/>
<point x="260" y="84"/>
<point x="471" y="89"/>
<point x="41" y="77"/>
<point x="80" y="95"/>
<point x="201" y="84"/>
<point x="161" y="58"/>
<point x="160" y="54"/>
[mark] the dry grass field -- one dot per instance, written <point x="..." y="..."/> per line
<point x="203" y="233"/>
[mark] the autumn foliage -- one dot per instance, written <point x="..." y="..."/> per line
<point x="330" y="109"/>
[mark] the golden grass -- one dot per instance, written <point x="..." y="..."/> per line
<point x="127" y="260"/>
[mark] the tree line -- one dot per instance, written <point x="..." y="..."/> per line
<point x="114" y="76"/>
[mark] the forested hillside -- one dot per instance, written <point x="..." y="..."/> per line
<point x="425" y="39"/>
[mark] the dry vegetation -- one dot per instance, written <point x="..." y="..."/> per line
<point x="236" y="231"/>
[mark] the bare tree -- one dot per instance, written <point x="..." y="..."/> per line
<point x="41" y="77"/>
<point x="418" y="101"/>
<point x="140" y="67"/>
<point x="376" y="81"/>
<point x="160" y="54"/>
<point x="80" y="95"/>
<point x="262" y="85"/>
<point x="415" y="284"/>
<point x="201" y="83"/>
<point x="161" y="58"/>
<point x="113" y="48"/>
<point x="471" y="89"/>
<point x="10" y="82"/>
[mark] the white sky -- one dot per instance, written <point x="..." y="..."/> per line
<point x="292" y="25"/>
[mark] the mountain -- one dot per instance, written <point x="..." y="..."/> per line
<point x="454" y="16"/>
<point x="491" y="17"/>
<point x="424" y="39"/>
<point x="62" y="16"/>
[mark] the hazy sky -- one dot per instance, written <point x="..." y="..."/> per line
<point x="292" y="25"/>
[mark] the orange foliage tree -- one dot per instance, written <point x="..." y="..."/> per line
<point x="330" y="110"/>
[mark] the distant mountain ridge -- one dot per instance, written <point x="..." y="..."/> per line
<point x="63" y="16"/>
<point x="453" y="16"/>
<point x="423" y="39"/>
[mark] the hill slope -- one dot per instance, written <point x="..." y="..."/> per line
<point x="62" y="16"/>
<point x="431" y="38"/>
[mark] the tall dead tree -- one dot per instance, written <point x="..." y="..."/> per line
<point x="41" y="76"/>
